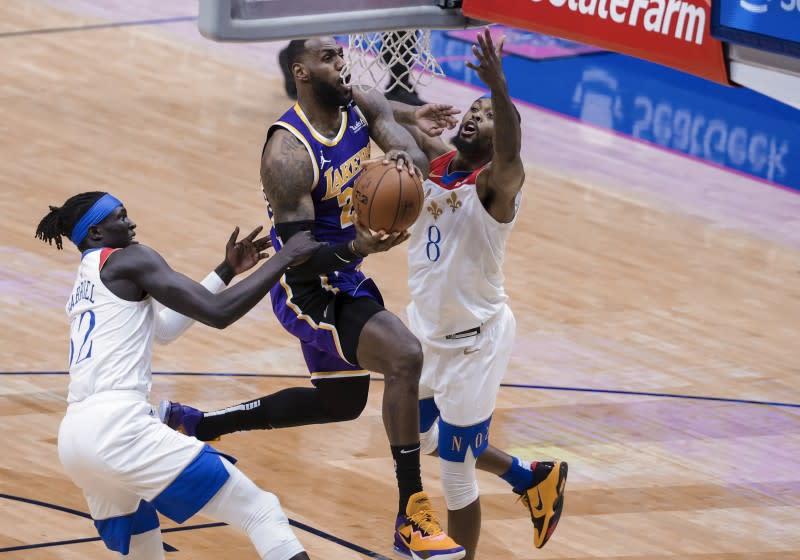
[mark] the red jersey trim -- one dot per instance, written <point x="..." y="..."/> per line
<point x="439" y="167"/>
<point x="104" y="254"/>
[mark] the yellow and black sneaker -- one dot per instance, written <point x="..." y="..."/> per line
<point x="545" y="499"/>
<point x="418" y="534"/>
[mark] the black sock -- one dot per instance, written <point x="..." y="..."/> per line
<point x="406" y="466"/>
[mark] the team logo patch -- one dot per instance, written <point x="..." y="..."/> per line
<point x="434" y="210"/>
<point x="453" y="202"/>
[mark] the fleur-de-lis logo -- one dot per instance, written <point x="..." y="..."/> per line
<point x="434" y="210"/>
<point x="453" y="202"/>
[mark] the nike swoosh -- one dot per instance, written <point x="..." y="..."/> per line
<point x="538" y="511"/>
<point x="407" y="451"/>
<point x="471" y="351"/>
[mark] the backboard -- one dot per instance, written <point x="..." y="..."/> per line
<point x="272" y="20"/>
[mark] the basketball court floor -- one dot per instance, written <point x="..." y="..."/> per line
<point x="657" y="300"/>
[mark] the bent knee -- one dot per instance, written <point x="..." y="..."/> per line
<point x="345" y="400"/>
<point x="346" y="410"/>
<point x="406" y="359"/>
<point x="268" y="510"/>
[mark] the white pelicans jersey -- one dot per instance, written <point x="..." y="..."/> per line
<point x="111" y="339"/>
<point x="455" y="259"/>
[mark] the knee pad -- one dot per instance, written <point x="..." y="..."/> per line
<point x="271" y="533"/>
<point x="459" y="482"/>
<point x="146" y="546"/>
<point x="242" y="504"/>
<point x="268" y="509"/>
<point x="459" y="449"/>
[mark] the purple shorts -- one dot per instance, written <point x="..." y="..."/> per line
<point x="327" y="315"/>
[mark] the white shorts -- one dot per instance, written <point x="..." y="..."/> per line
<point x="464" y="381"/>
<point x="113" y="446"/>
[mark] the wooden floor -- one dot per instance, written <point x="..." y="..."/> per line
<point x="631" y="271"/>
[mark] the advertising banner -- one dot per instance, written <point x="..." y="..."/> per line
<point x="775" y="18"/>
<point x="733" y="127"/>
<point x="767" y="24"/>
<point x="675" y="33"/>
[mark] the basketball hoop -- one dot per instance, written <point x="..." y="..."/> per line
<point x="379" y="60"/>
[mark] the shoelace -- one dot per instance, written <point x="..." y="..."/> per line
<point x="425" y="520"/>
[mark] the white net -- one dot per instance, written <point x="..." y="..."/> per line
<point x="383" y="60"/>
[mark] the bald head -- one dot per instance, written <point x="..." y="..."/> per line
<point x="316" y="64"/>
<point x="298" y="48"/>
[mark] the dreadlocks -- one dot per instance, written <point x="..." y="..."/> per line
<point x="60" y="221"/>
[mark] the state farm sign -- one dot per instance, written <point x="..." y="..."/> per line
<point x="671" y="32"/>
<point x="677" y="18"/>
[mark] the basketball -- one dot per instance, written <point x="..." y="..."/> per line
<point x="387" y="199"/>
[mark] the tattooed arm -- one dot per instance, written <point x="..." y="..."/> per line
<point x="388" y="134"/>
<point x="287" y="177"/>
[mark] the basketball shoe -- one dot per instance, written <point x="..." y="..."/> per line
<point x="545" y="499"/>
<point x="418" y="534"/>
<point x="180" y="417"/>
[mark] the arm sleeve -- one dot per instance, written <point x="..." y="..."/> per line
<point x="171" y="324"/>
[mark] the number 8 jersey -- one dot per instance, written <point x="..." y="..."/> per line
<point x="111" y="339"/>
<point x="455" y="258"/>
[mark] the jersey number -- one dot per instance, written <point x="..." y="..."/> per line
<point x="432" y="248"/>
<point x="345" y="200"/>
<point x="84" y="329"/>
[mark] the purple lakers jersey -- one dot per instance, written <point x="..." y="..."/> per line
<point x="336" y="162"/>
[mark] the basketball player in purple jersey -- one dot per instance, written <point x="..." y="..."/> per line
<point x="310" y="160"/>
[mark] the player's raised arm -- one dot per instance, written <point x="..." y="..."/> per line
<point x="504" y="177"/>
<point x="426" y="124"/>
<point x="390" y="135"/>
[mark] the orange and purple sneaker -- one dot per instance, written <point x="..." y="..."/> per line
<point x="419" y="536"/>
<point x="180" y="417"/>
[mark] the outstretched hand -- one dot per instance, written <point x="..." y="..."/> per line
<point x="368" y="241"/>
<point x="490" y="65"/>
<point x="434" y="118"/>
<point x="244" y="254"/>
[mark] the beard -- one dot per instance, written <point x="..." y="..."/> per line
<point x="471" y="146"/>
<point x="329" y="94"/>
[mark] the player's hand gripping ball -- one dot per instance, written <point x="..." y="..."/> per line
<point x="387" y="198"/>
